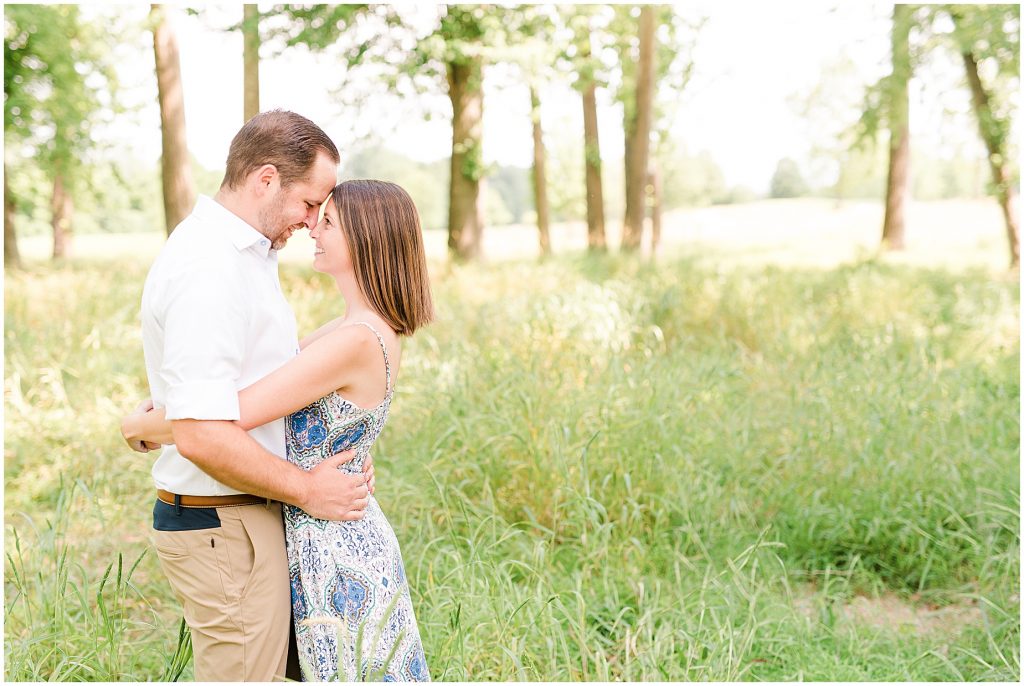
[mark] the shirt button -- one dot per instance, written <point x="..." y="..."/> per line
<point x="263" y="242"/>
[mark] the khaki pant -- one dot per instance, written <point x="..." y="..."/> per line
<point x="232" y="582"/>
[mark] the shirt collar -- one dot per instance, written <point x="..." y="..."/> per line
<point x="242" y="235"/>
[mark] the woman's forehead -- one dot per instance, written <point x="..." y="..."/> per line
<point x="323" y="206"/>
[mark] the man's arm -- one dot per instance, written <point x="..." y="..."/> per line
<point x="226" y="452"/>
<point x="146" y="429"/>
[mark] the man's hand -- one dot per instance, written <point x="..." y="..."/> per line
<point x="137" y="445"/>
<point x="333" y="494"/>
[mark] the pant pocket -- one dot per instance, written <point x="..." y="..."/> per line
<point x="240" y="549"/>
<point x="191" y="564"/>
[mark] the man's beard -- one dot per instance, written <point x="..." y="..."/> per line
<point x="272" y="223"/>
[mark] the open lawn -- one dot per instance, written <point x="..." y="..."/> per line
<point x="772" y="460"/>
<point x="806" y="232"/>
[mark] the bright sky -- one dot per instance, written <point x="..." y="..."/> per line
<point x="751" y="57"/>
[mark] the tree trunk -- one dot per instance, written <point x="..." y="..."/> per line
<point x="898" y="186"/>
<point x="63" y="210"/>
<point x="12" y="258"/>
<point x="997" y="158"/>
<point x="179" y="191"/>
<point x="465" y="218"/>
<point x="251" y="59"/>
<point x="540" y="183"/>
<point x="596" y="240"/>
<point x="638" y="135"/>
<point x="654" y="181"/>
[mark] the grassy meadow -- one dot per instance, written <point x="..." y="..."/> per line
<point x="598" y="469"/>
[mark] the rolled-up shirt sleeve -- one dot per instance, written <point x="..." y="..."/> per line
<point x="205" y="325"/>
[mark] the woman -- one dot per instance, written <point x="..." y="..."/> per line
<point x="347" y="578"/>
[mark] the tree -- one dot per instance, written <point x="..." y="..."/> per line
<point x="251" y="60"/>
<point x="464" y="66"/>
<point x="887" y="105"/>
<point x="586" y="68"/>
<point x="655" y="46"/>
<point x="991" y="34"/>
<point x="57" y="79"/>
<point x="654" y="183"/>
<point x="532" y="47"/>
<point x="12" y="258"/>
<point x="829" y="111"/>
<point x="897" y="187"/>
<point x="787" y="181"/>
<point x="178" y="187"/>
<point x="638" y="114"/>
<point x="540" y="184"/>
<point x="451" y="58"/>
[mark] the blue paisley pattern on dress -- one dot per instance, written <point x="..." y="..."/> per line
<point x="347" y="575"/>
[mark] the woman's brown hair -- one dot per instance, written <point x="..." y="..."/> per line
<point x="382" y="227"/>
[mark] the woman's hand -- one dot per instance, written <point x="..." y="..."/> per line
<point x="145" y="429"/>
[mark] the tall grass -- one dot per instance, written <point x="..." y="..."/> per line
<point x="597" y="469"/>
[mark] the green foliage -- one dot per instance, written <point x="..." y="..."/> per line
<point x="862" y="173"/>
<point x="379" y="37"/>
<point x="123" y="197"/>
<point x="567" y="196"/>
<point x="885" y="101"/>
<point x="787" y="181"/>
<point x="426" y="183"/>
<point x="990" y="34"/>
<point x="959" y="176"/>
<point x="318" y="26"/>
<point x="579" y="58"/>
<point x="495" y="211"/>
<point x="513" y="186"/>
<point x="830" y="111"/>
<point x="690" y="180"/>
<point x="597" y="470"/>
<point x="676" y="35"/>
<point x="57" y="82"/>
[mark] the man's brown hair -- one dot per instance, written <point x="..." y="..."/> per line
<point x="284" y="139"/>
<point x="385" y="241"/>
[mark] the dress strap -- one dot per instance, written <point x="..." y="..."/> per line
<point x="384" y="348"/>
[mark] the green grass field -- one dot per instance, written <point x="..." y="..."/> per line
<point x="597" y="470"/>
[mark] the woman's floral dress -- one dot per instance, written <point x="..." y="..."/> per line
<point x="349" y="592"/>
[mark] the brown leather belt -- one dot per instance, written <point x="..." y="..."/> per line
<point x="210" y="500"/>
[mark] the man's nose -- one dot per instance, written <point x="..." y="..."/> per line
<point x="311" y="217"/>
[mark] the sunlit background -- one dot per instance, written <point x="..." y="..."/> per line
<point x="774" y="91"/>
<point x="762" y="426"/>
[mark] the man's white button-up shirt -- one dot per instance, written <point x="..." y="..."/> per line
<point x="214" y="320"/>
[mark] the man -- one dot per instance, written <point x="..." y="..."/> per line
<point x="214" y="320"/>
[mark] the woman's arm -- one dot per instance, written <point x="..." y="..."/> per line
<point x="325" y="329"/>
<point x="149" y="427"/>
<point x="328" y="363"/>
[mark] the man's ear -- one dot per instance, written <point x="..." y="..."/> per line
<point x="266" y="178"/>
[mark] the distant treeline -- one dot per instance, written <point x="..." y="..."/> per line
<point x="639" y="57"/>
<point x="126" y="197"/>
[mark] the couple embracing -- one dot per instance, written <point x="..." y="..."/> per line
<point x="264" y="480"/>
